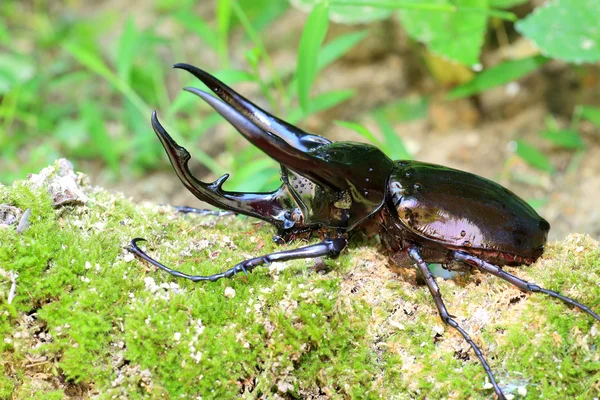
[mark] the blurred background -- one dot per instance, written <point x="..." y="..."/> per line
<point x="507" y="89"/>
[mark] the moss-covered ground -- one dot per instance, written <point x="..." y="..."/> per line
<point x="91" y="321"/>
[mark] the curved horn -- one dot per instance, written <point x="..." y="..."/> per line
<point x="303" y="162"/>
<point x="271" y="206"/>
<point x="293" y="135"/>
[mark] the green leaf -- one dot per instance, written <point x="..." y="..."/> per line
<point x="538" y="203"/>
<point x="223" y="14"/>
<point x="533" y="156"/>
<point x="197" y="25"/>
<point x="337" y="47"/>
<point x="330" y="52"/>
<point x="93" y="62"/>
<point x="346" y="14"/>
<point x="253" y="175"/>
<point x="566" y="138"/>
<point x="500" y="74"/>
<point x="15" y="69"/>
<point x="126" y="50"/>
<point x="506" y="3"/>
<point x="457" y="36"/>
<point x="4" y="35"/>
<point x="407" y="109"/>
<point x="589" y="113"/>
<point x="361" y="130"/>
<point x="394" y="145"/>
<point x="262" y="13"/>
<point x="308" y="50"/>
<point x="320" y="103"/>
<point x="101" y="141"/>
<point x="565" y="29"/>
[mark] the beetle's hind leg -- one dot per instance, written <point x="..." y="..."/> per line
<point x="328" y="247"/>
<point x="520" y="283"/>
<point x="414" y="254"/>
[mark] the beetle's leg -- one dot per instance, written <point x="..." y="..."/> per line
<point x="520" y="283"/>
<point x="413" y="252"/>
<point x="200" y="211"/>
<point x="328" y="247"/>
<point x="274" y="207"/>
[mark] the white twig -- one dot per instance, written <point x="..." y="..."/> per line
<point x="13" y="286"/>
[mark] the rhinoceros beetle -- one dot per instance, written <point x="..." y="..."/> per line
<point x="424" y="213"/>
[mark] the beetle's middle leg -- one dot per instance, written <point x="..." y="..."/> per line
<point x="328" y="247"/>
<point x="413" y="252"/>
<point x="520" y="283"/>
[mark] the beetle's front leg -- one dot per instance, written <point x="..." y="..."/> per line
<point x="328" y="247"/>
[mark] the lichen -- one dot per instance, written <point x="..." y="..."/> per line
<point x="90" y="320"/>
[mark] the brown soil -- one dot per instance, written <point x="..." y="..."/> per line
<point x="473" y="134"/>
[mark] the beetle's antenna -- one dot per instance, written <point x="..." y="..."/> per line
<point x="413" y="252"/>
<point x="520" y="283"/>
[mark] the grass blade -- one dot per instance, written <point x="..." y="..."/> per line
<point x="361" y="130"/>
<point x="498" y="75"/>
<point x="223" y="14"/>
<point x="197" y="25"/>
<point x="339" y="46"/>
<point x="566" y="138"/>
<point x="320" y="103"/>
<point x="533" y="156"/>
<point x="589" y="113"/>
<point x="101" y="140"/>
<point x="308" y="50"/>
<point x="93" y="62"/>
<point x="394" y="145"/>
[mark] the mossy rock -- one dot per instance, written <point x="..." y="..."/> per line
<point x="91" y="321"/>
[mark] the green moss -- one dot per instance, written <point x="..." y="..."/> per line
<point x="88" y="315"/>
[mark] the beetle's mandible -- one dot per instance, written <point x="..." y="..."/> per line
<point x="424" y="213"/>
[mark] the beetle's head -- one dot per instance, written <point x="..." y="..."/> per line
<point x="334" y="184"/>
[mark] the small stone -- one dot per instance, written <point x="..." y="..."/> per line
<point x="9" y="215"/>
<point x="229" y="292"/>
<point x="177" y="336"/>
<point x="24" y="221"/>
<point x="61" y="182"/>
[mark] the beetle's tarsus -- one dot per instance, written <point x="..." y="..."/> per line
<point x="520" y="283"/>
<point x="329" y="247"/>
<point x="413" y="252"/>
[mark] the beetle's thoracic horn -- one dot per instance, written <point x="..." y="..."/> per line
<point x="295" y="136"/>
<point x="286" y="144"/>
<point x="273" y="145"/>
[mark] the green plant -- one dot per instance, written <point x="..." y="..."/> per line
<point x="564" y="138"/>
<point x="85" y="122"/>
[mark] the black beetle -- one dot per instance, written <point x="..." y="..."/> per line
<point x="424" y="213"/>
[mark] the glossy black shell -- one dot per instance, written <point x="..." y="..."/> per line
<point x="463" y="210"/>
<point x="363" y="171"/>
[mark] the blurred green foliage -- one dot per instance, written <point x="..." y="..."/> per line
<point x="81" y="80"/>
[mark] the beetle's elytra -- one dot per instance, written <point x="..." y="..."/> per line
<point x="424" y="213"/>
